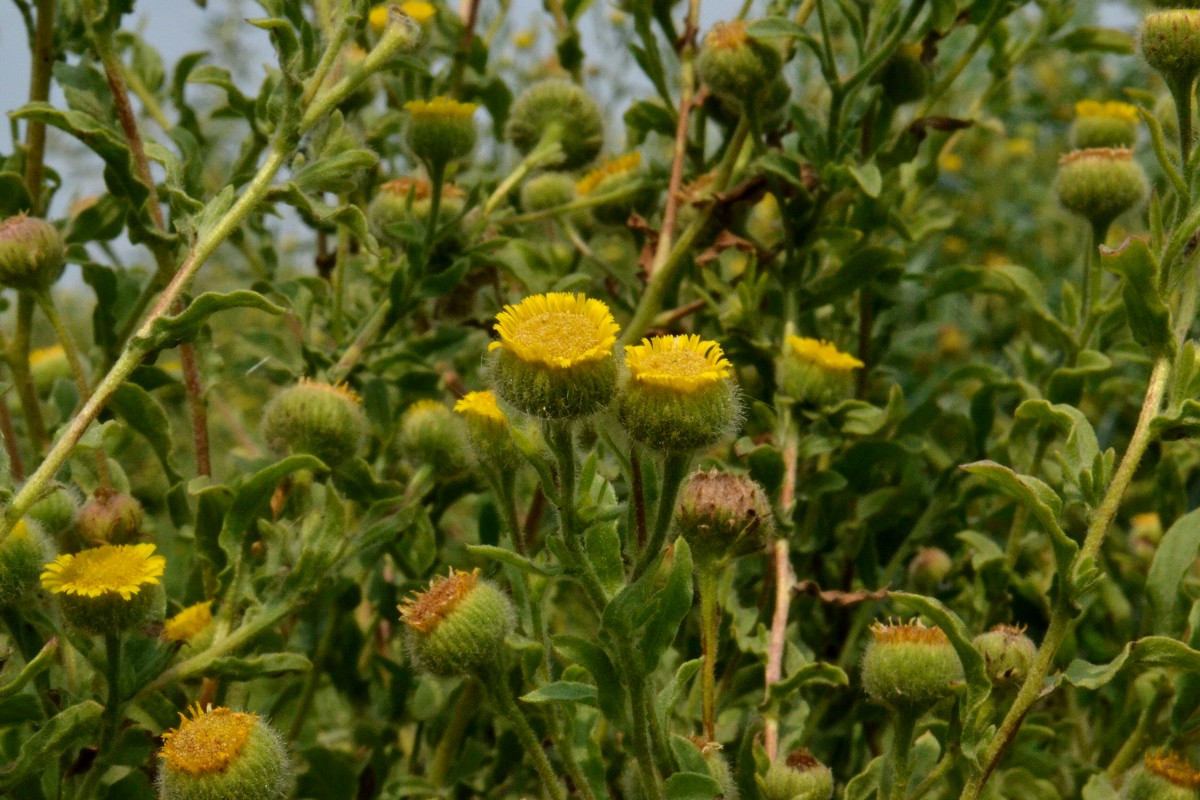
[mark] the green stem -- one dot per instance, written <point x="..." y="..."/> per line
<point x="20" y="631"/>
<point x="111" y="718"/>
<point x="496" y="683"/>
<point x="451" y="741"/>
<point x="1137" y="743"/>
<point x="710" y="614"/>
<point x="630" y="670"/>
<point x="947" y="763"/>
<point x="1093" y="275"/>
<point x="39" y="92"/>
<point x="547" y="151"/>
<point x="437" y="176"/>
<point x="366" y="336"/>
<point x="18" y="362"/>
<point x="898" y="768"/>
<point x="46" y="303"/>
<point x="1064" y="606"/>
<point x="339" y="281"/>
<point x="313" y="679"/>
<point x="1181" y="91"/>
<point x="675" y="467"/>
<point x="337" y="36"/>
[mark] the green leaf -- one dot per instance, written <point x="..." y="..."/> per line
<point x="145" y="415"/>
<point x="648" y="116"/>
<point x="14" y="198"/>
<point x="775" y="28"/>
<point x="1090" y="38"/>
<point x="1151" y="651"/>
<point x="1081" y="446"/>
<point x="1175" y="557"/>
<point x="512" y="559"/>
<point x="668" y="698"/>
<point x="269" y="665"/>
<point x="62" y="733"/>
<point x="691" y="786"/>
<point x="674" y="604"/>
<point x="251" y="499"/>
<point x="610" y="691"/>
<point x="185" y="326"/>
<point x="562" y="692"/>
<point x="868" y="177"/>
<point x="818" y="673"/>
<point x="39" y="664"/>
<point x="337" y="173"/>
<point x="1149" y="317"/>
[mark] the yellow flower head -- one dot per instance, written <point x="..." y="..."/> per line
<point x="419" y="11"/>
<point x="558" y="330"/>
<point x="441" y="108"/>
<point x="822" y="354"/>
<point x="620" y="166"/>
<point x="424" y="610"/>
<point x="339" y="389"/>
<point x="189" y="623"/>
<point x="524" y="39"/>
<point x="682" y="363"/>
<point x="951" y="162"/>
<point x="208" y="742"/>
<point x="1110" y="109"/>
<point x="481" y="406"/>
<point x="46" y="354"/>
<point x="111" y="569"/>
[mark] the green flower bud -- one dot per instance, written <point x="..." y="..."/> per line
<point x="22" y="555"/>
<point x="107" y="589"/>
<point x="547" y="190"/>
<point x="32" y="255"/>
<point x="110" y="517"/>
<point x="1097" y="125"/>
<point x="798" y="777"/>
<point x="722" y="515"/>
<point x="1165" y="775"/>
<point x="458" y="625"/>
<point x="57" y="511"/>
<point x="617" y="176"/>
<point x="557" y="110"/>
<point x="905" y="78"/>
<point x="1100" y="185"/>
<point x="433" y="435"/>
<point x="678" y="395"/>
<point x="440" y="130"/>
<point x="815" y="372"/>
<point x="47" y="365"/>
<point x="764" y="224"/>
<point x="401" y="208"/>
<point x="219" y="754"/>
<point x="487" y="426"/>
<point x="928" y="568"/>
<point x="1008" y="653"/>
<point x="554" y="358"/>
<point x="1170" y="43"/>
<point x="316" y="418"/>
<point x="735" y="66"/>
<point x="909" y="667"/>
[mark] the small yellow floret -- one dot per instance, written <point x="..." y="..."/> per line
<point x="209" y="742"/>
<point x="727" y="35"/>
<point x="1174" y="767"/>
<point x="481" y="405"/>
<point x="683" y="363"/>
<point x="524" y="39"/>
<point x="822" y="353"/>
<point x="1018" y="147"/>
<point x="951" y="162"/>
<point x="623" y="165"/>
<point x="419" y="11"/>
<point x="341" y="389"/>
<point x="914" y="632"/>
<point x="423" y="406"/>
<point x="424" y="610"/>
<point x="1112" y="109"/>
<point x="558" y="329"/>
<point x="44" y="354"/>
<point x="440" y="107"/>
<point x="189" y="623"/>
<point x="110" y="569"/>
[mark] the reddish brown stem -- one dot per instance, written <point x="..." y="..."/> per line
<point x="39" y="92"/>
<point x="15" y="464"/>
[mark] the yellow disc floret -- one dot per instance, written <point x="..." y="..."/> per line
<point x="424" y="610"/>
<point x="418" y="10"/>
<point x="441" y="107"/>
<point x="822" y="353"/>
<point x="683" y="363"/>
<point x="481" y="406"/>
<point x="1110" y="109"/>
<point x="208" y="742"/>
<point x="558" y="330"/>
<point x="111" y="569"/>
<point x="343" y="389"/>
<point x="189" y="623"/>
<point x="45" y="354"/>
<point x="617" y="167"/>
<point x="1174" y="768"/>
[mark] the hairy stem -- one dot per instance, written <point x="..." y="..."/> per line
<point x="496" y="683"/>
<point x="898" y="767"/>
<point x="39" y="92"/>
<point x="710" y="615"/>
<point x="18" y="362"/>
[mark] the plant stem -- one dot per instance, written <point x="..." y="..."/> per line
<point x="451" y="740"/>
<point x="339" y="282"/>
<point x="547" y="151"/>
<point x="313" y="679"/>
<point x="779" y="621"/>
<point x="496" y="683"/>
<point x="1181" y="91"/>
<point x="1064" y="607"/>
<point x="630" y="670"/>
<point x="18" y="362"/>
<point x="897" y="769"/>
<point x="39" y="92"/>
<point x="111" y="719"/>
<point x="1135" y="746"/>
<point x="366" y="336"/>
<point x="710" y="614"/>
<point x="675" y="466"/>
<point x="11" y="447"/>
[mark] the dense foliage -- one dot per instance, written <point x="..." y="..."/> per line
<point x="794" y="407"/>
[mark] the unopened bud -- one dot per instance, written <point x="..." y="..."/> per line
<point x="722" y="515"/>
<point x="908" y="667"/>
<point x="458" y="624"/>
<point x="32" y="255"/>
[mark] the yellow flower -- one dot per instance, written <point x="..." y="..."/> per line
<point x="107" y="570"/>
<point x="189" y="623"/>
<point x="558" y="330"/>
<point x="440" y="107"/>
<point x="424" y="610"/>
<point x="45" y="354"/>
<point x="419" y="11"/>
<point x="1111" y="109"/>
<point x="951" y="162"/>
<point x="822" y="354"/>
<point x="683" y="363"/>
<point x="481" y="406"/>
<point x="1018" y="147"/>
<point x="207" y="743"/>
<point x="524" y="39"/>
<point x="617" y="167"/>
